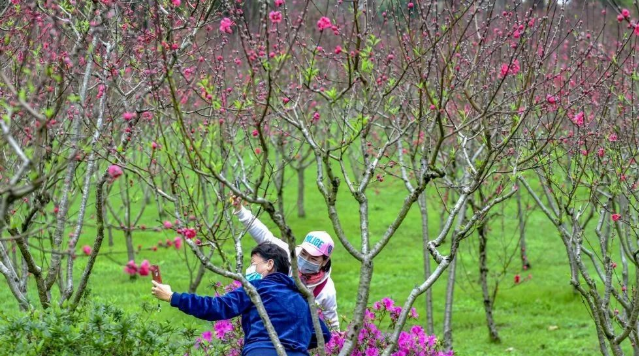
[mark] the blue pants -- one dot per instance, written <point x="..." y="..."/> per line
<point x="272" y="352"/>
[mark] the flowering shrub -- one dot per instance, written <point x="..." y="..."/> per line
<point x="372" y="340"/>
<point x="227" y="337"/>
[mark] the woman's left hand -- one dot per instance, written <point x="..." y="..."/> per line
<point x="161" y="291"/>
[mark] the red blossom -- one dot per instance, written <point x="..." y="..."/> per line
<point x="114" y="171"/>
<point x="225" y="25"/>
<point x="323" y="23"/>
<point x="275" y="16"/>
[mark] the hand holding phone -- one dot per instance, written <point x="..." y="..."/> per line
<point x="155" y="273"/>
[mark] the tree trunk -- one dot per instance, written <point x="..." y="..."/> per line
<point x="525" y="263"/>
<point x="423" y="208"/>
<point x="109" y="227"/>
<point x="128" y="233"/>
<point x="448" y="309"/>
<point x="450" y="287"/>
<point x="483" y="278"/>
<point x="301" y="213"/>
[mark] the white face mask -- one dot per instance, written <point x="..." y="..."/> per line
<point x="307" y="267"/>
<point x="252" y="274"/>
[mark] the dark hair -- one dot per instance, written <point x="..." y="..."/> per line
<point x="270" y="251"/>
<point x="327" y="266"/>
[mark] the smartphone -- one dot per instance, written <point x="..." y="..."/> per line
<point x="155" y="273"/>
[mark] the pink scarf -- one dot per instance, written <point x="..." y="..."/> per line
<point x="311" y="279"/>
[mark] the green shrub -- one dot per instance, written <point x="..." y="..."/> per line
<point x="94" y="329"/>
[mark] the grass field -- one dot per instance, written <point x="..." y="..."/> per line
<point x="541" y="316"/>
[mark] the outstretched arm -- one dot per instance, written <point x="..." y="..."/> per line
<point x="256" y="228"/>
<point x="225" y="307"/>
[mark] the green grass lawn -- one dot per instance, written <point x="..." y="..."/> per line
<point x="523" y="312"/>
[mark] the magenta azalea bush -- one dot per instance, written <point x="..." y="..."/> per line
<point x="227" y="338"/>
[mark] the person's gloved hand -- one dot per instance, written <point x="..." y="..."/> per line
<point x="161" y="291"/>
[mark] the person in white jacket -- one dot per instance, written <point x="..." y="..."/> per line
<point x="313" y="260"/>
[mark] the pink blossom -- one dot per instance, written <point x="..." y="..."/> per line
<point x="86" y="249"/>
<point x="620" y="17"/>
<point x="504" y="70"/>
<point x="189" y="233"/>
<point x="207" y="335"/>
<point x="625" y="13"/>
<point x="279" y="3"/>
<point x="511" y="69"/>
<point x="372" y="351"/>
<point x="178" y="242"/>
<point x="551" y="99"/>
<point x="176" y="2"/>
<point x="517" y="279"/>
<point x="144" y="268"/>
<point x="225" y="25"/>
<point x="285" y="100"/>
<point x="222" y="328"/>
<point x="167" y="224"/>
<point x="579" y="119"/>
<point x="338" y="49"/>
<point x="131" y="268"/>
<point x="410" y="5"/>
<point x="255" y="133"/>
<point x="612" y="137"/>
<point x="114" y="171"/>
<point x="388" y="303"/>
<point x="275" y="16"/>
<point x="601" y="152"/>
<point x="323" y="23"/>
<point x="128" y="116"/>
<point x="637" y="29"/>
<point x="417" y="330"/>
<point x="615" y="217"/>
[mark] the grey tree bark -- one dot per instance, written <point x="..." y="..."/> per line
<point x="423" y="208"/>
<point x="450" y="287"/>
<point x="483" y="279"/>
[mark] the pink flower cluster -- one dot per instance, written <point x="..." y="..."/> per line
<point x="325" y="23"/>
<point x="131" y="268"/>
<point x="509" y="69"/>
<point x="187" y="232"/>
<point x="225" y="25"/>
<point x="371" y="339"/>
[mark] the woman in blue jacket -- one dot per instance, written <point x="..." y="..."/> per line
<point x="286" y="307"/>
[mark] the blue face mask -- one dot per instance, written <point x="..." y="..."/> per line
<point x="307" y="267"/>
<point x="252" y="274"/>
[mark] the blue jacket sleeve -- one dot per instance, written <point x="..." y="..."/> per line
<point x="325" y="332"/>
<point x="225" y="307"/>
